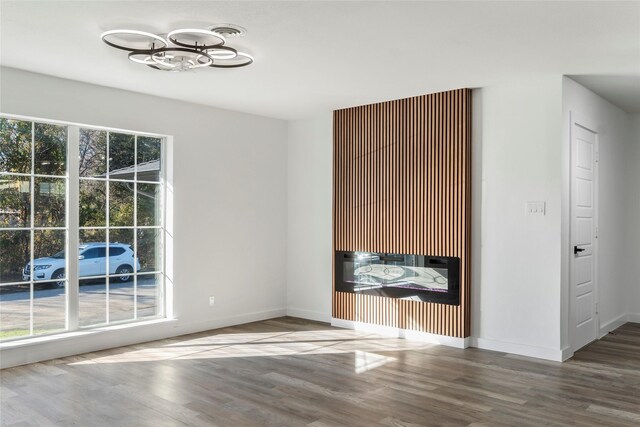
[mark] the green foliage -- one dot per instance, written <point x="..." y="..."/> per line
<point x="93" y="203"/>
<point x="48" y="156"/>
<point x="15" y="146"/>
<point x="121" y="151"/>
<point x="121" y="204"/>
<point x="93" y="153"/>
<point x="15" y="201"/>
<point x="49" y="202"/>
<point x="148" y="149"/>
<point x="15" y="248"/>
<point x="50" y="149"/>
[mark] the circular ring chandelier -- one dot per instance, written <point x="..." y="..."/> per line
<point x="181" y="50"/>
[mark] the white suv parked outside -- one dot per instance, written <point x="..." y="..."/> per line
<point x="92" y="262"/>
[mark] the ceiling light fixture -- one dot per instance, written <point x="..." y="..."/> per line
<point x="181" y="50"/>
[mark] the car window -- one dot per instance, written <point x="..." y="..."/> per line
<point x="102" y="252"/>
<point x="115" y="251"/>
<point x="91" y="253"/>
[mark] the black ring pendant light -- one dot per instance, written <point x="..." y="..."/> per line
<point x="181" y="50"/>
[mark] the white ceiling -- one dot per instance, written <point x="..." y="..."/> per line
<point x="318" y="56"/>
<point x="623" y="91"/>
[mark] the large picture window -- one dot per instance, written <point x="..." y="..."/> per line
<point x="115" y="229"/>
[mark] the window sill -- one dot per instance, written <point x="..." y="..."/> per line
<point x="26" y="342"/>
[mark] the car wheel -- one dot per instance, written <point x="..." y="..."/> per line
<point x="125" y="270"/>
<point x="58" y="276"/>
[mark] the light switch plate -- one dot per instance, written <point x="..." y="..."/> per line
<point x="536" y="208"/>
<point x="212" y="301"/>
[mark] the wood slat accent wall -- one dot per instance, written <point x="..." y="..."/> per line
<point x="402" y="184"/>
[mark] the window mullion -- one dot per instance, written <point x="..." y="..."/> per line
<point x="108" y="228"/>
<point x="135" y="228"/>
<point x="32" y="203"/>
<point x="73" y="221"/>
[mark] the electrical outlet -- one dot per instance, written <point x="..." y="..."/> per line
<point x="212" y="300"/>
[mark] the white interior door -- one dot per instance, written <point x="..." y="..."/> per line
<point x="583" y="293"/>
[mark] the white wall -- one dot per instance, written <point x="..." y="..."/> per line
<point x="309" y="190"/>
<point x="615" y="261"/>
<point x="230" y="208"/>
<point x="261" y="188"/>
<point x="516" y="158"/>
<point x="516" y="281"/>
<point x="633" y="220"/>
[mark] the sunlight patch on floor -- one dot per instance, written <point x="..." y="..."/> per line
<point x="365" y="361"/>
<point x="219" y="346"/>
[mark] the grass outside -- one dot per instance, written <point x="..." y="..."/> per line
<point x="13" y="333"/>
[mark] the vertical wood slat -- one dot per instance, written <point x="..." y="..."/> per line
<point x="401" y="184"/>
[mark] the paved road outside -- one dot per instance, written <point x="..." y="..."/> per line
<point x="49" y="306"/>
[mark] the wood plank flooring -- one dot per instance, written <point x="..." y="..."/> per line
<point x="292" y="372"/>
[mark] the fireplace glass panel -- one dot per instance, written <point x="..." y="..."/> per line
<point x="404" y="276"/>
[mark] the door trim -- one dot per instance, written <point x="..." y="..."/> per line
<point x="577" y="120"/>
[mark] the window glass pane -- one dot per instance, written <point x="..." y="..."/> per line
<point x="50" y="149"/>
<point x="92" y="302"/>
<point x="113" y="249"/>
<point x="90" y="235"/>
<point x="90" y="253"/>
<point x="15" y="247"/>
<point x="15" y="202"/>
<point x="121" y="156"/>
<point x="123" y="263"/>
<point x="49" y="255"/>
<point x="149" y="162"/>
<point x="93" y="153"/>
<point x="14" y="311"/>
<point x="149" y="252"/>
<point x="49" y="203"/>
<point x="116" y="251"/>
<point x="49" y="307"/>
<point x="15" y="146"/>
<point x="148" y="204"/>
<point x="121" y="300"/>
<point x="93" y="261"/>
<point x="149" y="287"/>
<point x="93" y="203"/>
<point x="121" y="204"/>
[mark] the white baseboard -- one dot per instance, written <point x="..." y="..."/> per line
<point x="318" y="316"/>
<point x="401" y="333"/>
<point x="193" y="327"/>
<point x="37" y="349"/>
<point x="633" y="317"/>
<point x="613" y="324"/>
<point x="521" y="349"/>
<point x="567" y="353"/>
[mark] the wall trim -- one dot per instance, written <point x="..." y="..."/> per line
<point x="567" y="353"/>
<point x="555" y="355"/>
<point x="391" y="331"/>
<point x="317" y="316"/>
<point x="15" y="354"/>
<point x="613" y="324"/>
<point x="207" y="325"/>
<point x="633" y="317"/>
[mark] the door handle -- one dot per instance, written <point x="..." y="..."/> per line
<point x="577" y="250"/>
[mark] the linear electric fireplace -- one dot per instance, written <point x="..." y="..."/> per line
<point x="405" y="276"/>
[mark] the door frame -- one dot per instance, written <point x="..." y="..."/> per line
<point x="577" y="120"/>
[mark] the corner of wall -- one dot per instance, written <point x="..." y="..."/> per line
<point x="309" y="210"/>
